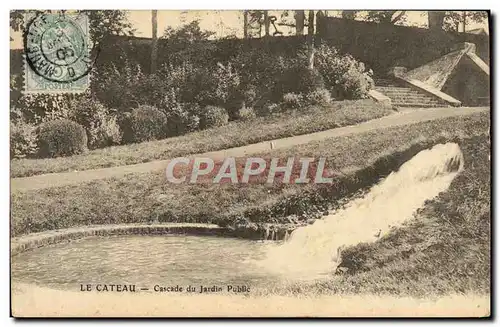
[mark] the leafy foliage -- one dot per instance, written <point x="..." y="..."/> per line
<point x="213" y="116"/>
<point x="346" y="77"/>
<point x="23" y="139"/>
<point x="61" y="138"/>
<point x="145" y="123"/>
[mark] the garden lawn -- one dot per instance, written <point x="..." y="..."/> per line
<point x="444" y="250"/>
<point x="148" y="197"/>
<point x="304" y="121"/>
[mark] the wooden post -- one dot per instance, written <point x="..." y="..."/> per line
<point x="154" y="41"/>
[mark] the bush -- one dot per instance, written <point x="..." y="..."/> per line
<point x="246" y="114"/>
<point x="61" y="138"/>
<point x="299" y="79"/>
<point x="145" y="123"/>
<point x="212" y="116"/>
<point x="23" y="140"/>
<point x="346" y="77"/>
<point x="320" y="97"/>
<point x="41" y="107"/>
<point x="250" y="95"/>
<point x="102" y="128"/>
<point x="182" y="118"/>
<point x="106" y="133"/>
<point x="293" y="101"/>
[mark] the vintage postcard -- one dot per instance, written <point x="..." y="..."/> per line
<point x="253" y="163"/>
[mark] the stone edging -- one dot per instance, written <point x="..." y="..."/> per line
<point x="37" y="240"/>
<point x="379" y="97"/>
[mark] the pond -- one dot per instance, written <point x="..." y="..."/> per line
<point x="145" y="261"/>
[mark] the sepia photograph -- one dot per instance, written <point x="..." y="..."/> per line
<point x="250" y="163"/>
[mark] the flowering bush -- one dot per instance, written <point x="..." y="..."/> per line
<point x="346" y="77"/>
<point x="23" y="139"/>
<point x="246" y="113"/>
<point x="320" y="97"/>
<point x="212" y="116"/>
<point x="292" y="100"/>
<point x="101" y="126"/>
<point x="183" y="118"/>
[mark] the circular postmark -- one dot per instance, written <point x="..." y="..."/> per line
<point x="57" y="47"/>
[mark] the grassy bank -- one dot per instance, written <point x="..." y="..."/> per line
<point x="149" y="198"/>
<point x="444" y="249"/>
<point x="235" y="134"/>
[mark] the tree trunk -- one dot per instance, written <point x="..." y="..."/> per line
<point x="300" y="17"/>
<point x="245" y="24"/>
<point x="435" y="20"/>
<point x="349" y="14"/>
<point x="266" y="23"/>
<point x="310" y="39"/>
<point x="154" y="41"/>
<point x="464" y="20"/>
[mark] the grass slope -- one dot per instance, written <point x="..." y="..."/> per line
<point x="148" y="197"/>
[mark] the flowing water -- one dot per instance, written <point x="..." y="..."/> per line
<point x="309" y="253"/>
<point x="313" y="251"/>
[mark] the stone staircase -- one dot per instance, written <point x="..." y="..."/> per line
<point x="403" y="96"/>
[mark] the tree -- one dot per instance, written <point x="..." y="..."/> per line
<point x="435" y="19"/>
<point x="386" y="16"/>
<point x="245" y="24"/>
<point x="300" y="17"/>
<point x="186" y="34"/>
<point x="451" y="20"/>
<point x="310" y="39"/>
<point x="349" y="14"/>
<point x="266" y="23"/>
<point x="101" y="22"/>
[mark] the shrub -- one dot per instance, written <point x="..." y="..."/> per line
<point x="292" y="100"/>
<point x="246" y="114"/>
<point x="346" y="77"/>
<point x="106" y="133"/>
<point x="145" y="123"/>
<point x="320" y="97"/>
<point x="41" y="107"/>
<point x="268" y="108"/>
<point x="249" y="95"/>
<point x="61" y="138"/>
<point x="299" y="79"/>
<point x="23" y="140"/>
<point x="212" y="116"/>
<point x="102" y="128"/>
<point x="183" y="118"/>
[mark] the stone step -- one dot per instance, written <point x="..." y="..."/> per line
<point x="414" y="98"/>
<point x="415" y="105"/>
<point x="417" y="102"/>
<point x="395" y="89"/>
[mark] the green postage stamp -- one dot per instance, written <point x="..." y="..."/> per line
<point x="57" y="53"/>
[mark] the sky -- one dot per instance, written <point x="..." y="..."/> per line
<point x="222" y="22"/>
